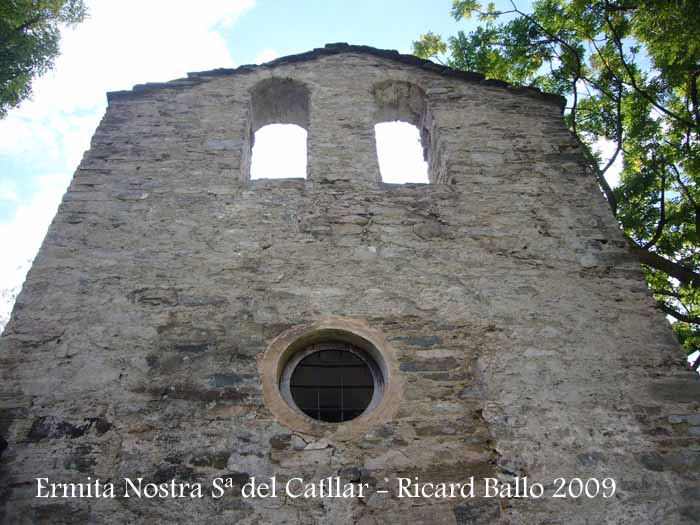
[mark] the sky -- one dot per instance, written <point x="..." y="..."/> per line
<point x="137" y="41"/>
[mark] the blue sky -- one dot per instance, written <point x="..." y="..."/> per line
<point x="293" y="27"/>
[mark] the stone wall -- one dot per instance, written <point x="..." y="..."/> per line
<point x="526" y="340"/>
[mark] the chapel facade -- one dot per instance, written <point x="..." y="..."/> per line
<point x="183" y="324"/>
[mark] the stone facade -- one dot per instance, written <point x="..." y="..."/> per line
<point x="525" y="339"/>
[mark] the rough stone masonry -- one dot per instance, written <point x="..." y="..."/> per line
<point x="526" y="343"/>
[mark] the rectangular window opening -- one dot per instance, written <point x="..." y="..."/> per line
<point x="279" y="152"/>
<point x="400" y="153"/>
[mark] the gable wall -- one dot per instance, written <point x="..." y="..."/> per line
<point x="526" y="339"/>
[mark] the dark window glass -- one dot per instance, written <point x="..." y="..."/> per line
<point x="332" y="385"/>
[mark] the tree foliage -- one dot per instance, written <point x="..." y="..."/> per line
<point x="630" y="70"/>
<point x="29" y="43"/>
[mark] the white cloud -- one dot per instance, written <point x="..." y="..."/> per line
<point x="400" y="153"/>
<point x="24" y="234"/>
<point x="266" y="55"/>
<point x="8" y="191"/>
<point x="27" y="228"/>
<point x="119" y="45"/>
<point x="55" y="139"/>
<point x="131" y="41"/>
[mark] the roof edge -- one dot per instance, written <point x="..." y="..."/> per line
<point x="196" y="78"/>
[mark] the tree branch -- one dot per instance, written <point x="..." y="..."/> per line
<point x="618" y="130"/>
<point x="694" y="96"/>
<point x="669" y="293"/>
<point x="552" y="36"/>
<point x="682" y="184"/>
<point x="633" y="81"/>
<point x="662" y="210"/>
<point x="573" y="105"/>
<point x="600" y="176"/>
<point x="691" y="319"/>
<point x="686" y="191"/>
<point x="29" y="23"/>
<point x="627" y="7"/>
<point x="678" y="271"/>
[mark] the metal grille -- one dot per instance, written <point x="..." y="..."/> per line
<point x="332" y="385"/>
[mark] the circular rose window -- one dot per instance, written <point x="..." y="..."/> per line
<point x="334" y="375"/>
<point x="332" y="381"/>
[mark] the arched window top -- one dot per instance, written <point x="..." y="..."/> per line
<point x="399" y="100"/>
<point x="280" y="101"/>
<point x="401" y="131"/>
<point x="278" y="129"/>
